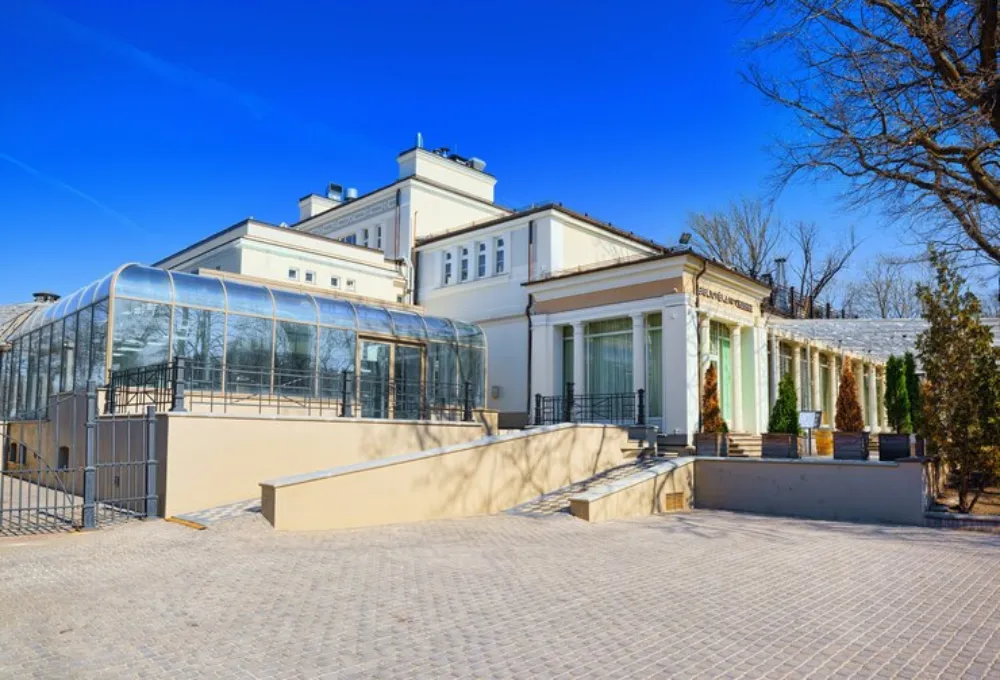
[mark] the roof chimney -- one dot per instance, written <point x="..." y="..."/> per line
<point x="45" y="297"/>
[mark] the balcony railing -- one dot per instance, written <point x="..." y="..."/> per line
<point x="623" y="408"/>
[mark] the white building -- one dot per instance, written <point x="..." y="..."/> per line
<point x="563" y="297"/>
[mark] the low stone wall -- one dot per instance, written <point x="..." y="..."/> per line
<point x="665" y="487"/>
<point x="214" y="459"/>
<point x="853" y="491"/>
<point x="476" y="478"/>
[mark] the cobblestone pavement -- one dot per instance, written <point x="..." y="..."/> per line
<point x="694" y="595"/>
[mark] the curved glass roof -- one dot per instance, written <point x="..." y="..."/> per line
<point x="139" y="282"/>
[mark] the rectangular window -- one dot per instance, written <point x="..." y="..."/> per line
<point x="464" y="271"/>
<point x="447" y="269"/>
<point x="350" y="284"/>
<point x="500" y="250"/>
<point x="480" y="260"/>
<point x="335" y="281"/>
<point x="364" y="237"/>
<point x="352" y="239"/>
<point x="310" y="277"/>
<point x="378" y="236"/>
<point x="293" y="274"/>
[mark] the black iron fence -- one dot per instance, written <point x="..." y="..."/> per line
<point x="72" y="469"/>
<point x="788" y="302"/>
<point x="182" y="385"/>
<point x="624" y="408"/>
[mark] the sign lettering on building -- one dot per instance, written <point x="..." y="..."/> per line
<point x="725" y="299"/>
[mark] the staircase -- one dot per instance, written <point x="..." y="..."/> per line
<point x="740" y="445"/>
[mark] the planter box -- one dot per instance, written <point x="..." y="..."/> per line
<point x="850" y="445"/>
<point x="778" y="446"/>
<point x="711" y="444"/>
<point x="893" y="446"/>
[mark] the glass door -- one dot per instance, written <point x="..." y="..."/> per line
<point x="374" y="379"/>
<point x="407" y="367"/>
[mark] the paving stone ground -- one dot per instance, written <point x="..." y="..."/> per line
<point x="694" y="595"/>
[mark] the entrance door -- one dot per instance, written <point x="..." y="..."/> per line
<point x="374" y="392"/>
<point x="406" y="382"/>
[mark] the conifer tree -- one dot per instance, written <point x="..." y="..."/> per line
<point x="711" y="414"/>
<point x="849" y="417"/>
<point x="785" y="416"/>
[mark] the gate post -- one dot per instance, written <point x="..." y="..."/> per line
<point x="90" y="471"/>
<point x="568" y="404"/>
<point x="178" y="383"/>
<point x="345" y="396"/>
<point x="151" y="463"/>
<point x="467" y="403"/>
<point x="538" y="409"/>
<point x="641" y="419"/>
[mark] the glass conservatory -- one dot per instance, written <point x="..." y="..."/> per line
<point x="234" y="337"/>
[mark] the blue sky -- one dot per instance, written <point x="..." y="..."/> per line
<point x="128" y="130"/>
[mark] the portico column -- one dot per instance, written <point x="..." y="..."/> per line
<point x="883" y="415"/>
<point x="639" y="352"/>
<point x="775" y="371"/>
<point x="814" y="391"/>
<point x="872" y="399"/>
<point x="833" y="387"/>
<point x="705" y="342"/>
<point x="736" y="348"/>
<point x="579" y="359"/>
<point x="859" y="382"/>
<point x="797" y="373"/>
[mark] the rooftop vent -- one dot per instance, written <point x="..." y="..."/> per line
<point x="350" y="194"/>
<point x="45" y="297"/>
<point x="477" y="164"/>
<point x="335" y="192"/>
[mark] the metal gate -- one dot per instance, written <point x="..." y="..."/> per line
<point x="71" y="469"/>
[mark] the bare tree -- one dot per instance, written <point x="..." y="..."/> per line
<point x="742" y="237"/>
<point x="901" y="98"/>
<point x="884" y="291"/>
<point x="814" y="271"/>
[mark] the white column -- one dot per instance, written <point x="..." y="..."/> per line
<point x="736" y="349"/>
<point x="705" y="342"/>
<point x="872" y="399"/>
<point x="816" y="401"/>
<point x="761" y="399"/>
<point x="859" y="383"/>
<point x="834" y="388"/>
<point x="797" y="374"/>
<point x="638" y="351"/>
<point x="579" y="356"/>
<point x="775" y="371"/>
<point x="883" y="415"/>
<point x="680" y="367"/>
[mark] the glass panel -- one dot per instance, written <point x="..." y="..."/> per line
<point x="198" y="291"/>
<point x="44" y="357"/>
<point x="406" y="383"/>
<point x="146" y="283"/>
<point x="294" y="359"/>
<point x="99" y="344"/>
<point x="199" y="337"/>
<point x="408" y="325"/>
<point x="374" y="319"/>
<point x="141" y="333"/>
<point x="337" y="352"/>
<point x="72" y="303"/>
<point x="468" y="334"/>
<point x="248" y="353"/>
<point x="609" y="326"/>
<point x="439" y="329"/>
<point x="103" y="289"/>
<point x="55" y="358"/>
<point x="654" y="372"/>
<point x="442" y="374"/>
<point x="654" y="320"/>
<point x="725" y="369"/>
<point x="609" y="359"/>
<point x="82" y="355"/>
<point x="22" y="378"/>
<point x="472" y="371"/>
<point x="374" y="394"/>
<point x="244" y="299"/>
<point x="31" y="388"/>
<point x="336" y="312"/>
<point x="294" y="307"/>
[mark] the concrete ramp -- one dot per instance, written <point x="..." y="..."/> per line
<point x="481" y="477"/>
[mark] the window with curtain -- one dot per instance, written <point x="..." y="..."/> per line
<point x="824" y="388"/>
<point x="567" y="358"/>
<point x="720" y="354"/>
<point x="609" y="356"/>
<point x="654" y="365"/>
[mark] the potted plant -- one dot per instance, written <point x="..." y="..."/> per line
<point x="850" y="441"/>
<point x="897" y="408"/>
<point x="782" y="438"/>
<point x="712" y="440"/>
